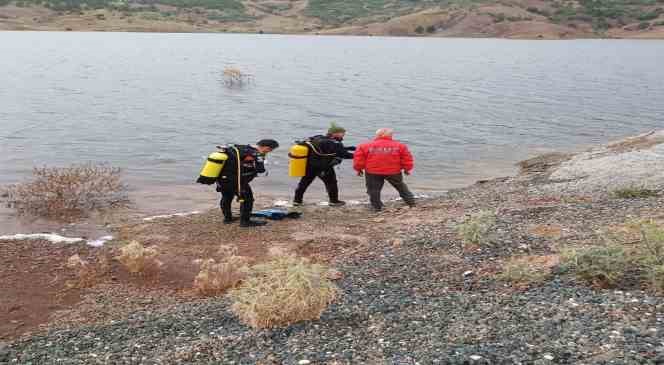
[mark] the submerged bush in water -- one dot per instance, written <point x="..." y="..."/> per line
<point x="69" y="192"/>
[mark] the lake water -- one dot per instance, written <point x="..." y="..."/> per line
<point x="156" y="104"/>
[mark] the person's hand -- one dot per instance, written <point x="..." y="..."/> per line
<point x="406" y="172"/>
<point x="360" y="173"/>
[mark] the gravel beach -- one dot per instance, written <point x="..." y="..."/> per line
<point x="412" y="291"/>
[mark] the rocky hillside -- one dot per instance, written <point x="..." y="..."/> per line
<point x="549" y="19"/>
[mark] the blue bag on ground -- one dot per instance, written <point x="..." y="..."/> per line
<point x="276" y="214"/>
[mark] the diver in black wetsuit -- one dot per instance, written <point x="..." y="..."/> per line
<point x="234" y="181"/>
<point x="326" y="151"/>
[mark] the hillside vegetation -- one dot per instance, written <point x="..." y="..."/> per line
<point x="474" y="18"/>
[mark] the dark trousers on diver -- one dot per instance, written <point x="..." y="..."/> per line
<point x="375" y="186"/>
<point x="246" y="206"/>
<point x="328" y="176"/>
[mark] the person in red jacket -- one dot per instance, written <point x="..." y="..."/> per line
<point x="384" y="159"/>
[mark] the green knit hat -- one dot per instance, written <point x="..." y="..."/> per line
<point x="334" y="128"/>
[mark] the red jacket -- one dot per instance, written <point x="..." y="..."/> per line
<point x="383" y="156"/>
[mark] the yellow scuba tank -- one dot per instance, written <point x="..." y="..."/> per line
<point x="212" y="168"/>
<point x="297" y="165"/>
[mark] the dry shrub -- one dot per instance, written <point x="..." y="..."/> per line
<point x="528" y="269"/>
<point x="139" y="259"/>
<point x="281" y="292"/>
<point x="214" y="278"/>
<point x="227" y="251"/>
<point x="69" y="192"/>
<point x="87" y="273"/>
<point x="235" y="77"/>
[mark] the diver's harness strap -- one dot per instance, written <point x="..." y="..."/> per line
<point x="239" y="175"/>
<point x="313" y="148"/>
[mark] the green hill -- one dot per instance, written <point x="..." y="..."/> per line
<point x="481" y="18"/>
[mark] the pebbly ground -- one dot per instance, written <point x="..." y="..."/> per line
<point x="421" y="298"/>
<point x="413" y="293"/>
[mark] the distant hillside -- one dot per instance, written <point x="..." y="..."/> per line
<point x="548" y="19"/>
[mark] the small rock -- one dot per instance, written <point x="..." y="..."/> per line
<point x="548" y="357"/>
<point x="334" y="274"/>
<point x="397" y="242"/>
<point x="304" y="362"/>
<point x="475" y="357"/>
<point x="468" y="273"/>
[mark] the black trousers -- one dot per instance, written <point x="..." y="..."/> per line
<point x="375" y="186"/>
<point x="228" y="193"/>
<point x="328" y="176"/>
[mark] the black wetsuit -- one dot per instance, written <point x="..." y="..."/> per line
<point x="251" y="164"/>
<point x="330" y="153"/>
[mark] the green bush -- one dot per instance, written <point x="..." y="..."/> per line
<point x="476" y="228"/>
<point x="651" y="251"/>
<point x="648" y="16"/>
<point x="656" y="278"/>
<point x="419" y="29"/>
<point x="644" y="25"/>
<point x="603" y="266"/>
<point x="431" y="29"/>
<point x="4" y="2"/>
<point x="633" y="192"/>
<point x="498" y="18"/>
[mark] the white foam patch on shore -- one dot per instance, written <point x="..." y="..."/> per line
<point x="55" y="238"/>
<point x="99" y="242"/>
<point x="165" y="216"/>
<point x="51" y="237"/>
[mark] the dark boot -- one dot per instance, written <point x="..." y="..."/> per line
<point x="251" y="223"/>
<point x="338" y="203"/>
<point x="230" y="220"/>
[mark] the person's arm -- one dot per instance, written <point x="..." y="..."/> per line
<point x="407" y="163"/>
<point x="260" y="164"/>
<point x="360" y="159"/>
<point x="342" y="151"/>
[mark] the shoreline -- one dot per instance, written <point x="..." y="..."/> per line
<point x="659" y="37"/>
<point x="407" y="276"/>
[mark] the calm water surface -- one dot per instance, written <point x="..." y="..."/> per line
<point x="155" y="104"/>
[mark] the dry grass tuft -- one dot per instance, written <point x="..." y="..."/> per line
<point x="139" y="259"/>
<point x="69" y="192"/>
<point x="282" y="292"/>
<point x="528" y="269"/>
<point x="87" y="273"/>
<point x="215" y="278"/>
